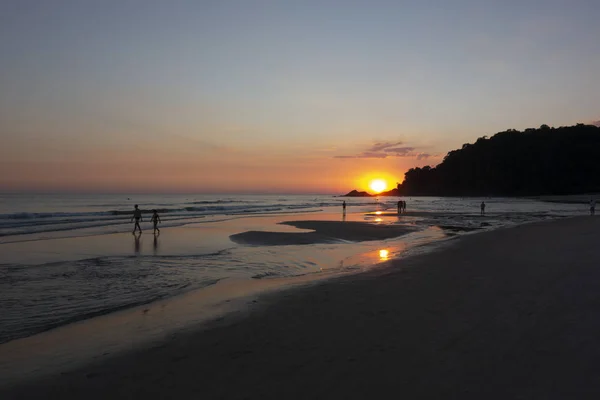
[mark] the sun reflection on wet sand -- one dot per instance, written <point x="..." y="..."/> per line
<point x="383" y="254"/>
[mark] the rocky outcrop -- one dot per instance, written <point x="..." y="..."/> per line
<point x="356" y="193"/>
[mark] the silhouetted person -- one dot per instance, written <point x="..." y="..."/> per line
<point x="137" y="214"/>
<point x="592" y="206"/>
<point x="344" y="207"/>
<point x="404" y="206"/>
<point x="399" y="206"/>
<point x="156" y="220"/>
<point x="483" y="208"/>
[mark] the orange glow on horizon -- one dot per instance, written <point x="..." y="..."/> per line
<point x="378" y="185"/>
<point x="376" y="181"/>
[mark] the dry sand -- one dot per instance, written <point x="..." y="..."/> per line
<point x="508" y="314"/>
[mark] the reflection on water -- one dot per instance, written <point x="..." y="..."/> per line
<point x="136" y="245"/>
<point x="383" y="254"/>
<point x="155" y="243"/>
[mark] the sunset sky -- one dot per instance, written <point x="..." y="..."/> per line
<point x="277" y="96"/>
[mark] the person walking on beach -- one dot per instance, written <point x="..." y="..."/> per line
<point x="404" y="206"/>
<point x="483" y="208"/>
<point x="137" y="214"/>
<point x="592" y="206"/>
<point x="399" y="206"/>
<point x="344" y="207"/>
<point x="156" y="220"/>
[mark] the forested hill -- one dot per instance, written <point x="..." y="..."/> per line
<point x="563" y="160"/>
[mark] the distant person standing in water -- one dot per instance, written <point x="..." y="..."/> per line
<point x="399" y="206"/>
<point x="156" y="220"/>
<point x="483" y="208"/>
<point x="344" y="206"/>
<point x="404" y="206"/>
<point x="137" y="214"/>
<point x="592" y="206"/>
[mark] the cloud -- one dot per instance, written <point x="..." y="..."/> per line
<point x="366" y="154"/>
<point x="383" y="146"/>
<point x="400" y="151"/>
<point x="388" y="149"/>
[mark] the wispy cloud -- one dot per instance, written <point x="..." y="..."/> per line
<point x="400" y="151"/>
<point x="383" y="146"/>
<point x="366" y="154"/>
<point x="388" y="149"/>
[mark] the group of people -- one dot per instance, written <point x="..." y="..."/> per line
<point x="401" y="206"/>
<point x="137" y="215"/>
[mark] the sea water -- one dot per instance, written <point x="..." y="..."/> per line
<point x="64" y="258"/>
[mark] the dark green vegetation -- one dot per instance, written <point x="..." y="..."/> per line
<point x="563" y="160"/>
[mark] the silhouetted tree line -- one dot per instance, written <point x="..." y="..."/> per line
<point x="563" y="160"/>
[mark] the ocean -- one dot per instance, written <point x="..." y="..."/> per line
<point x="66" y="258"/>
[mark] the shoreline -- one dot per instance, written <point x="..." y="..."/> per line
<point x="479" y="305"/>
<point x="94" y="338"/>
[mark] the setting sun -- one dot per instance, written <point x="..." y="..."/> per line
<point x="378" y="185"/>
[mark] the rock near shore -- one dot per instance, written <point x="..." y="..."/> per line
<point x="356" y="193"/>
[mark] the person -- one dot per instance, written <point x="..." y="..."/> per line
<point x="404" y="206"/>
<point x="399" y="206"/>
<point x="483" y="208"/>
<point x="137" y="214"/>
<point x="344" y="206"/>
<point x="592" y="206"/>
<point x="156" y="220"/>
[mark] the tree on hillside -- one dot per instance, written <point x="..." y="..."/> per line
<point x="539" y="161"/>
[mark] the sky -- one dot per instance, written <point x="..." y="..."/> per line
<point x="256" y="96"/>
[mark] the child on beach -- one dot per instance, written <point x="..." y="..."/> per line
<point x="156" y="220"/>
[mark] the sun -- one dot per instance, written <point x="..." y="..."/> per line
<point x="377" y="185"/>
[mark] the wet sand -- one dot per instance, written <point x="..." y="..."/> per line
<point x="570" y="199"/>
<point x="511" y="313"/>
<point x="322" y="232"/>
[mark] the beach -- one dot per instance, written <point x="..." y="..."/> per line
<point x="509" y="313"/>
<point x="71" y="258"/>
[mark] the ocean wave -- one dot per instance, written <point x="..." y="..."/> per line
<point x="110" y="222"/>
<point x="42" y="215"/>
<point x="172" y="214"/>
<point x="217" y="202"/>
